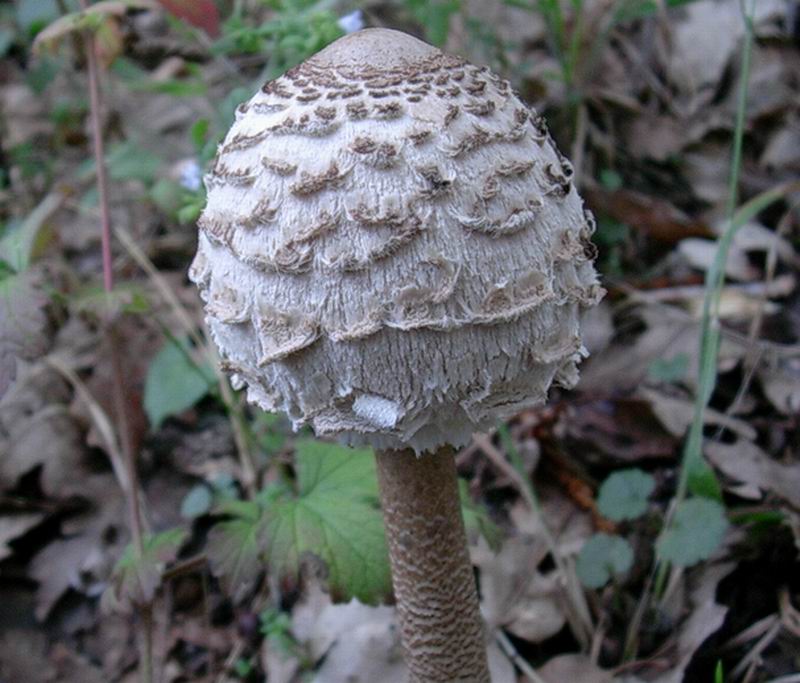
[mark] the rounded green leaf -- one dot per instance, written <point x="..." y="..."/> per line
<point x="173" y="383"/>
<point x="197" y="502"/>
<point x="624" y="494"/>
<point x="695" y="533"/>
<point x="602" y="557"/>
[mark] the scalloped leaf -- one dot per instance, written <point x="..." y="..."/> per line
<point x="624" y="494"/>
<point x="136" y="578"/>
<point x="602" y="557"/>
<point x="335" y="518"/>
<point x="695" y="534"/>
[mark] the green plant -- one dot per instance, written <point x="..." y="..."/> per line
<point x="330" y="511"/>
<point x="602" y="558"/>
<point x="298" y="29"/>
<point x="434" y="17"/>
<point x="624" y="494"/>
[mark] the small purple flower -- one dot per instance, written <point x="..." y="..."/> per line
<point x="350" y="23"/>
<point x="191" y="175"/>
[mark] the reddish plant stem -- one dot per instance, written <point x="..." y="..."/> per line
<point x="123" y="426"/>
<point x="99" y="154"/>
<point x="134" y="508"/>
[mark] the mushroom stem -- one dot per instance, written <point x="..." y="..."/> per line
<point x="437" y="601"/>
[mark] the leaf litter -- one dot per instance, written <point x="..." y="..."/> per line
<point x="660" y="92"/>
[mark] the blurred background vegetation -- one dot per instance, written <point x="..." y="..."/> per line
<point x="153" y="526"/>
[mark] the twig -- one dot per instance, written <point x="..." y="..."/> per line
<point x="235" y="414"/>
<point x="751" y="659"/>
<point x="516" y="659"/>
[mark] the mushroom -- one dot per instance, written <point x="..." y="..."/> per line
<point x="393" y="253"/>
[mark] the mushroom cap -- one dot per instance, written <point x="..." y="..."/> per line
<point x="392" y="250"/>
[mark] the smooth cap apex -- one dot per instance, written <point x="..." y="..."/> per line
<point x="382" y="49"/>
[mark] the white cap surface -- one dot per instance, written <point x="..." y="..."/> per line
<point x="392" y="250"/>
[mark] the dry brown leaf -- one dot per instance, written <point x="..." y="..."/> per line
<point x="83" y="562"/>
<point x="782" y="152"/>
<point x="70" y="667"/>
<point x="669" y="332"/>
<point x="14" y="526"/>
<point x="781" y="384"/>
<point x="23" y="656"/>
<point x="676" y="414"/>
<point x="573" y="667"/>
<point x="699" y="56"/>
<point x="515" y="596"/>
<point x="700" y="254"/>
<point x="652" y="216"/>
<point x="23" y="324"/>
<point x="36" y="429"/>
<point x="624" y="430"/>
<point x="745" y="462"/>
<point x="706" y="168"/>
<point x="705" y="618"/>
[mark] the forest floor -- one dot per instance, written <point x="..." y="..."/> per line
<point x="625" y="531"/>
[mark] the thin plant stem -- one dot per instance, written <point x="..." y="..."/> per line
<point x="234" y="409"/>
<point x="134" y="510"/>
<point x="516" y="659"/>
<point x="123" y="427"/>
<point x="146" y="615"/>
<point x="99" y="155"/>
<point x="715" y="279"/>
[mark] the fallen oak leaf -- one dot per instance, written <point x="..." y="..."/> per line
<point x="14" y="526"/>
<point x="23" y="324"/>
<point x="200" y="13"/>
<point x="745" y="462"/>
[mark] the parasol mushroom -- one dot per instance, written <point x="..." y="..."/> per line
<point x="393" y="253"/>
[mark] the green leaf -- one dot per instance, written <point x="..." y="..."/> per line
<point x="137" y="577"/>
<point x="476" y="519"/>
<point x="126" y="297"/>
<point x="199" y="133"/>
<point x="624" y="494"/>
<point x="331" y="517"/>
<point x="602" y="557"/>
<point x="197" y="502"/>
<point x="334" y="517"/>
<point x="21" y="244"/>
<point x="611" y="180"/>
<point x="33" y="14"/>
<point x="128" y="161"/>
<point x="669" y="370"/>
<point x="6" y="40"/>
<point x="234" y="548"/>
<point x="695" y="533"/>
<point x="189" y="213"/>
<point x="174" y="383"/>
<point x="435" y="17"/>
